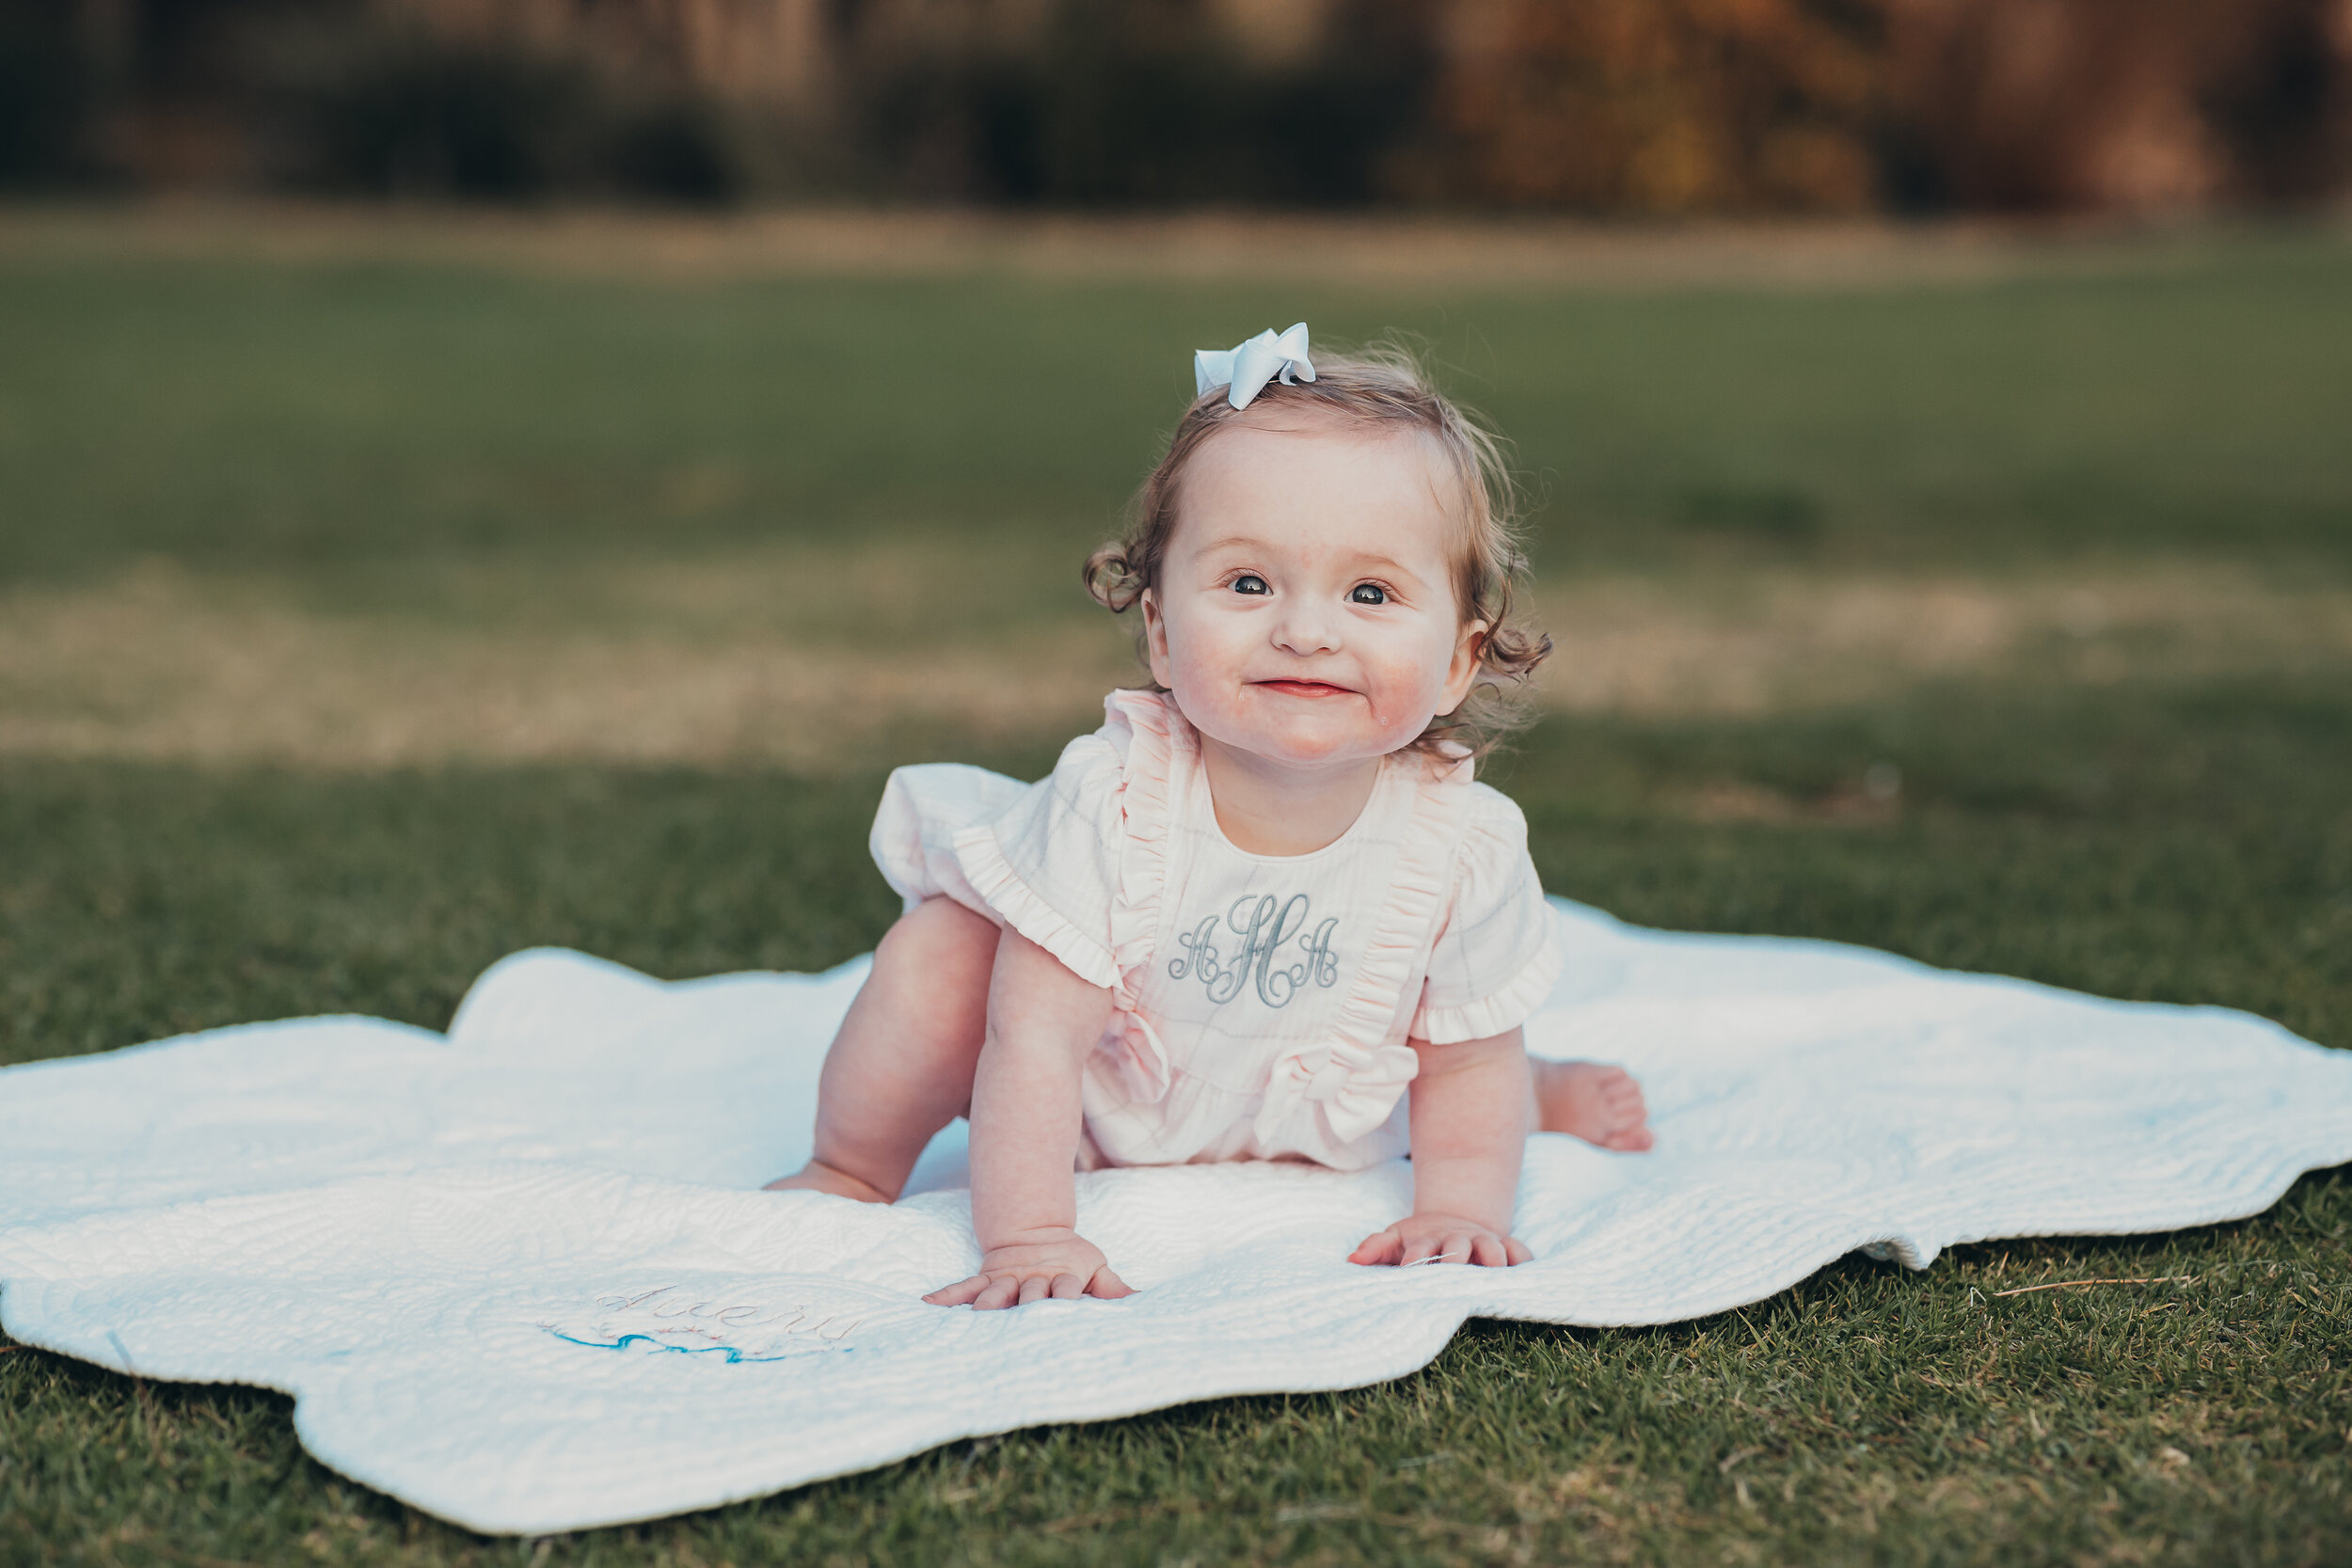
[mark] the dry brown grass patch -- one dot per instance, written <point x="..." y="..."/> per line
<point x="1775" y="641"/>
<point x="774" y="659"/>
<point x="1369" y="250"/>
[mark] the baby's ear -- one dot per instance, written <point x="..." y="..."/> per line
<point x="1468" y="654"/>
<point x="1154" y="635"/>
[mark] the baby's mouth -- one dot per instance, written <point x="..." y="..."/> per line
<point x="1305" y="689"/>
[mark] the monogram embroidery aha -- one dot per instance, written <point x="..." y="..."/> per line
<point x="1262" y="923"/>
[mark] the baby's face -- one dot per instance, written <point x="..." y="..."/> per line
<point x="1305" y="611"/>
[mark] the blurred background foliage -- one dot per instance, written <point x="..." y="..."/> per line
<point x="1606" y="106"/>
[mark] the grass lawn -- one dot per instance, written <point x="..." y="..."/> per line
<point x="363" y="619"/>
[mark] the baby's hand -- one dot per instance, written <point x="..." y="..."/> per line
<point x="1440" y="1239"/>
<point x="1061" y="1264"/>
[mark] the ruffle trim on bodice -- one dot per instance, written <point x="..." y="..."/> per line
<point x="1154" y="744"/>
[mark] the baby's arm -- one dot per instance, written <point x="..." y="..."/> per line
<point x="1042" y="1023"/>
<point x="1470" y="1118"/>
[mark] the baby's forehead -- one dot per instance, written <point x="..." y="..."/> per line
<point x="1325" y="443"/>
<point x="1290" y="462"/>
<point x="1319" y="422"/>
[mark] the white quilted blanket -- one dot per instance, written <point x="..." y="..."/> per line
<point x="520" y="1276"/>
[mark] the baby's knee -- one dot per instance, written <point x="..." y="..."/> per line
<point x="939" y="932"/>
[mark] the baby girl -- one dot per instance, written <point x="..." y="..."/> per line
<point x="1266" y="899"/>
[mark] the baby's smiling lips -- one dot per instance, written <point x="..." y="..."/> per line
<point x="1305" y="689"/>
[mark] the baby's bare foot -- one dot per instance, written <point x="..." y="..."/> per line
<point x="1600" y="1103"/>
<point x="818" y="1176"/>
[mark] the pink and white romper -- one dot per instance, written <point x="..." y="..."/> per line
<point x="1263" y="1003"/>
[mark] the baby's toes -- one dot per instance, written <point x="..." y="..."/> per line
<point x="1627" y="1114"/>
<point x="1628" y="1134"/>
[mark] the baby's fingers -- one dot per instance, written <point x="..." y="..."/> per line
<point x="1515" y="1252"/>
<point x="1488" y="1252"/>
<point x="960" y="1293"/>
<point x="1379" y="1247"/>
<point x="1105" y="1286"/>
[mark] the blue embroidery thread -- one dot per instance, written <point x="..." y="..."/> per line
<point x="1264" y="924"/>
<point x="726" y="1353"/>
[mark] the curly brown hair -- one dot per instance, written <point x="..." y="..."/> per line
<point x="1385" y="384"/>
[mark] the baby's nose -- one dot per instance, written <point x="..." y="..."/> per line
<point x="1306" y="628"/>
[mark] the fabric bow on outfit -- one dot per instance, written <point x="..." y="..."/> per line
<point x="1353" y="1090"/>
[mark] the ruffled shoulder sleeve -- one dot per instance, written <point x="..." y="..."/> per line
<point x="1049" y="865"/>
<point x="1499" y="953"/>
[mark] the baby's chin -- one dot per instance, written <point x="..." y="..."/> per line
<point x="1344" y="732"/>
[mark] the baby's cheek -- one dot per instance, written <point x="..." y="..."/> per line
<point x="1203" y="662"/>
<point x="1405" y="693"/>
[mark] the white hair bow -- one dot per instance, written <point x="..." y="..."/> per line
<point x="1245" y="369"/>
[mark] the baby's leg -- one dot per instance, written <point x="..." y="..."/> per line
<point x="900" y="1068"/>
<point x="1600" y="1103"/>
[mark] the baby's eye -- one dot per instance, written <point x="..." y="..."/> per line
<point x="1249" y="582"/>
<point x="1368" y="592"/>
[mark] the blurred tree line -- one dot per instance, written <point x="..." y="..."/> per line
<point x="1656" y="107"/>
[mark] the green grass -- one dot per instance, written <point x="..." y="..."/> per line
<point x="2159" y="833"/>
<point x="357" y="415"/>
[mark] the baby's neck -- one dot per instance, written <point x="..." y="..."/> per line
<point x="1270" y="807"/>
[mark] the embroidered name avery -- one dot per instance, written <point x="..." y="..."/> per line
<point x="1259" y="924"/>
